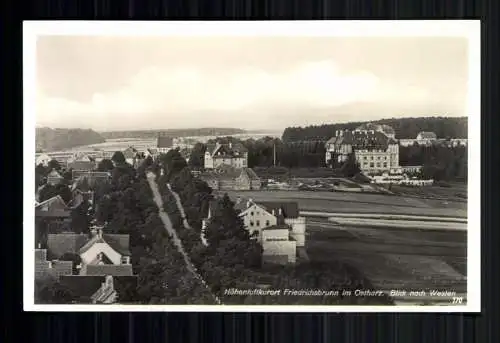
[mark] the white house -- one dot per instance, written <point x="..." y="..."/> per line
<point x="101" y="254"/>
<point x="217" y="155"/>
<point x="43" y="159"/>
<point x="374" y="150"/>
<point x="276" y="225"/>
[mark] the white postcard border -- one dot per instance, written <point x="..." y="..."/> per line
<point x="366" y="28"/>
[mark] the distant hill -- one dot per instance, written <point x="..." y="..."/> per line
<point x="48" y="139"/>
<point x="443" y="127"/>
<point x="145" y="134"/>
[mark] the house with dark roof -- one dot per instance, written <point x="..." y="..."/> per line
<point x="228" y="178"/>
<point x="101" y="254"/>
<point x="234" y="155"/>
<point x="55" y="268"/>
<point x="54" y="178"/>
<point x="98" y="289"/>
<point x="276" y="225"/>
<point x="82" y="163"/>
<point x="89" y="177"/>
<point x="164" y="143"/>
<point x="374" y="151"/>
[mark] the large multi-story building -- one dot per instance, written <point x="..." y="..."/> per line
<point x="234" y="155"/>
<point x="374" y="147"/>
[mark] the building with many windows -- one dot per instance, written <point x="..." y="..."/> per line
<point x="376" y="150"/>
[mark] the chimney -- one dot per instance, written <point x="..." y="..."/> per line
<point x="273" y="212"/>
<point x="280" y="211"/>
<point x="99" y="232"/>
<point x="230" y="145"/>
<point x="93" y="231"/>
<point x="39" y="246"/>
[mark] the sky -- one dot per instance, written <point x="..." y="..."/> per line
<point x="137" y="83"/>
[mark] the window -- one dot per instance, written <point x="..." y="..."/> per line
<point x="371" y="165"/>
<point x="385" y="158"/>
<point x="125" y="260"/>
<point x="251" y="223"/>
<point x="267" y="223"/>
<point x="258" y="222"/>
<point x="365" y="157"/>
<point x="371" y="158"/>
<point x="378" y="165"/>
<point x="385" y="164"/>
<point x="251" y="213"/>
<point x="378" y="158"/>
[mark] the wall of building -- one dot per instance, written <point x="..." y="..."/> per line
<point x="275" y="235"/>
<point x="90" y="255"/>
<point x="280" y="248"/>
<point x="298" y="230"/>
<point x="255" y="219"/>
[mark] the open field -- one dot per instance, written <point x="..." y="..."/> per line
<point x="392" y="259"/>
<point x="359" y="203"/>
<point x="455" y="191"/>
<point x="395" y="223"/>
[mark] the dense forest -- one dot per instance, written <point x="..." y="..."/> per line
<point x="48" y="139"/>
<point x="405" y="128"/>
<point x="146" y="134"/>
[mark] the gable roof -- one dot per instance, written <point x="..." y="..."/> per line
<point x="289" y="209"/>
<point x="119" y="243"/>
<point x="226" y="149"/>
<point x="250" y="173"/>
<point x="130" y="152"/>
<point x="108" y="269"/>
<point x="361" y="139"/>
<point x="61" y="243"/>
<point x="52" y="202"/>
<point x="164" y="142"/>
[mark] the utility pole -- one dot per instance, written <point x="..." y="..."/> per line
<point x="274" y="153"/>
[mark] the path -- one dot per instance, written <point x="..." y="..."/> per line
<point x="170" y="229"/>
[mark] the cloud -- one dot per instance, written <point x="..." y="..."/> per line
<point x="177" y="95"/>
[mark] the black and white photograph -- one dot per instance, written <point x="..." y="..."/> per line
<point x="229" y="166"/>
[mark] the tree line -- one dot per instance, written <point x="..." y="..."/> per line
<point x="439" y="162"/>
<point x="405" y="128"/>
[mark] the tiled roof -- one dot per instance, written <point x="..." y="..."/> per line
<point x="82" y="286"/>
<point x="361" y="140"/>
<point x="53" y="173"/>
<point x="56" y="200"/>
<point x="82" y="165"/>
<point x="226" y="149"/>
<point x="290" y="209"/>
<point x="62" y="243"/>
<point x="165" y="142"/>
<point x="108" y="269"/>
<point x="119" y="243"/>
<point x="249" y="172"/>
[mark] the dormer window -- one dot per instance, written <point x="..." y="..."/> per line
<point x="125" y="260"/>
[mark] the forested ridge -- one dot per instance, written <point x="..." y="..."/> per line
<point x="405" y="128"/>
<point x="48" y="139"/>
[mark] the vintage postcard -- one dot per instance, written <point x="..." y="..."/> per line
<point x="327" y="166"/>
